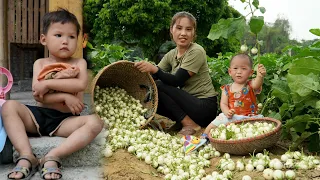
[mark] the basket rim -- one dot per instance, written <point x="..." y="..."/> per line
<point x="246" y="140"/>
<point x="102" y="70"/>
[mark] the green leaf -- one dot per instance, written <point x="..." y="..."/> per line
<point x="112" y="60"/>
<point x="286" y="66"/>
<point x="304" y="52"/>
<point x="94" y="53"/>
<point x="294" y="135"/>
<point x="89" y="45"/>
<point x="237" y="28"/>
<point x="315" y="31"/>
<point x="230" y="134"/>
<point x="291" y="123"/>
<point x="301" y="100"/>
<point x="300" y="127"/>
<point x="316" y="44"/>
<point x="281" y="90"/>
<point x="318" y="105"/>
<point x="243" y="1"/>
<point x="303" y="85"/>
<point x="227" y="28"/>
<point x="256" y="23"/>
<point x="302" y="137"/>
<point x="314" y="145"/>
<point x="220" y="29"/>
<point x="274" y="115"/>
<point x="262" y="10"/>
<point x="283" y="109"/>
<point x="255" y="3"/>
<point x="311" y="102"/>
<point x="305" y="65"/>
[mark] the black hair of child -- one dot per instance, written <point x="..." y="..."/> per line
<point x="61" y="15"/>
<point x="243" y="55"/>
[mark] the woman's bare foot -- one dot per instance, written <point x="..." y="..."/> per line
<point x="188" y="123"/>
<point x="187" y="131"/>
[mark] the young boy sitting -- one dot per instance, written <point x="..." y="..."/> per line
<point x="56" y="114"/>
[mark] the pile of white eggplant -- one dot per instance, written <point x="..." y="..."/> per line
<point x="123" y="115"/>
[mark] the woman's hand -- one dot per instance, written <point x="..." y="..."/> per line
<point x="144" y="66"/>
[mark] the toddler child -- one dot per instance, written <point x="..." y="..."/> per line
<point x="238" y="99"/>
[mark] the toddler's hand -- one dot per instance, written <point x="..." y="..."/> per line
<point x="261" y="70"/>
<point x="74" y="104"/>
<point x="230" y="113"/>
<point x="39" y="89"/>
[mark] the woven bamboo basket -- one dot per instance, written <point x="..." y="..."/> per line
<point x="124" y="75"/>
<point x="249" y="145"/>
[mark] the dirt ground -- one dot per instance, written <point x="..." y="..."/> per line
<point x="125" y="166"/>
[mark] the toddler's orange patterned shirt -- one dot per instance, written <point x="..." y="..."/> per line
<point x="243" y="102"/>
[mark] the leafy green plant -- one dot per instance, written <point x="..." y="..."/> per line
<point x="297" y="94"/>
<point x="235" y="27"/>
<point x="218" y="68"/>
<point x="145" y="23"/>
<point x="106" y="54"/>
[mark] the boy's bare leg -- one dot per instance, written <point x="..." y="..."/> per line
<point x="80" y="131"/>
<point x="17" y="121"/>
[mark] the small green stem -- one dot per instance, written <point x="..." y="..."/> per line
<point x="317" y="122"/>
<point x="258" y="48"/>
<point x="250" y="7"/>
<point x="251" y="13"/>
<point x="266" y="103"/>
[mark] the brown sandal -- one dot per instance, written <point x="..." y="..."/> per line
<point x="48" y="170"/>
<point x="27" y="172"/>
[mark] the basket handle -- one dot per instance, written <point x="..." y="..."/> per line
<point x="149" y="93"/>
<point x="148" y="114"/>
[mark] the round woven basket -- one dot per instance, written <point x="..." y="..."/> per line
<point x="139" y="85"/>
<point x="249" y="145"/>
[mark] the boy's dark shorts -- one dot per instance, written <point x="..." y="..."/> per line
<point x="47" y="120"/>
